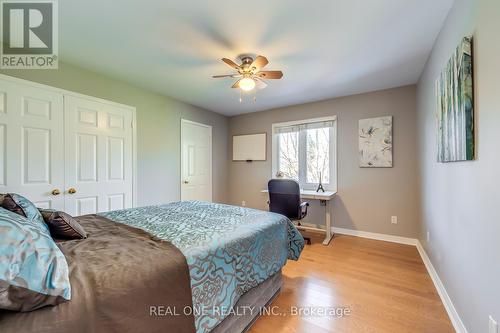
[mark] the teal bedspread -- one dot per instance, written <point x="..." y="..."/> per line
<point x="229" y="249"/>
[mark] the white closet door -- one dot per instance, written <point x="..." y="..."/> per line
<point x="98" y="156"/>
<point x="32" y="143"/>
<point x="196" y="161"/>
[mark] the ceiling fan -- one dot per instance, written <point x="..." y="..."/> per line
<point x="249" y="74"/>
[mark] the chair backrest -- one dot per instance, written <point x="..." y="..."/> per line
<point x="284" y="197"/>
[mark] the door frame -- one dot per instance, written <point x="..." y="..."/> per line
<point x="187" y="121"/>
<point x="65" y="92"/>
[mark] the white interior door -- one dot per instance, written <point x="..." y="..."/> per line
<point x="196" y="161"/>
<point x="99" y="158"/>
<point x="32" y="143"/>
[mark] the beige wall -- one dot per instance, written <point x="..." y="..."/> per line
<point x="158" y="129"/>
<point x="460" y="201"/>
<point x="366" y="197"/>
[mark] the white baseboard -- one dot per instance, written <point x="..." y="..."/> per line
<point x="438" y="284"/>
<point x="377" y="236"/>
<point x="443" y="294"/>
<point x="366" y="234"/>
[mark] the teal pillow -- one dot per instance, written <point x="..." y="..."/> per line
<point x="20" y="205"/>
<point x="33" y="270"/>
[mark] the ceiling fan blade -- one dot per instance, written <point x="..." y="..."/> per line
<point x="259" y="83"/>
<point x="228" y="75"/>
<point x="270" y="74"/>
<point x="259" y="62"/>
<point x="236" y="84"/>
<point x="231" y="63"/>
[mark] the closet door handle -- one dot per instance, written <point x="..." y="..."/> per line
<point x="72" y="190"/>
<point x="56" y="192"/>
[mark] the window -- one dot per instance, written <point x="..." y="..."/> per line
<point x="288" y="162"/>
<point x="306" y="151"/>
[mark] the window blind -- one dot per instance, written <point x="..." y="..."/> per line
<point x="303" y="127"/>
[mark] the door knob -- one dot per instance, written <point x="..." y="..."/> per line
<point x="186" y="181"/>
<point x="71" y="190"/>
<point x="56" y="192"/>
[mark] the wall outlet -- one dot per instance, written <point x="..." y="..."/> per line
<point x="243" y="203"/>
<point x="428" y="236"/>
<point x="394" y="219"/>
<point x="493" y="326"/>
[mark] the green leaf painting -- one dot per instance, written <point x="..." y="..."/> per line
<point x="455" y="111"/>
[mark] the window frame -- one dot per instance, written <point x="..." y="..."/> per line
<point x="332" y="186"/>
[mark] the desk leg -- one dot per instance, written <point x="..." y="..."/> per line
<point x="328" y="223"/>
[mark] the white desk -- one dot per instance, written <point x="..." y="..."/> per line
<point x="324" y="198"/>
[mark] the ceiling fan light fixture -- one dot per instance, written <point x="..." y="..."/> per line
<point x="247" y="84"/>
<point x="250" y="74"/>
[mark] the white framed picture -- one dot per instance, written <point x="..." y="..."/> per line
<point x="249" y="147"/>
<point x="375" y="142"/>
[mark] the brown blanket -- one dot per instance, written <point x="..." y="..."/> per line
<point x="116" y="275"/>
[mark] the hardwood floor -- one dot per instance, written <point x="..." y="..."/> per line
<point x="384" y="285"/>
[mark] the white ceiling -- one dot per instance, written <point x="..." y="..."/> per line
<point x="325" y="48"/>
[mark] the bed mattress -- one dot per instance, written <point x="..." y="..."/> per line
<point x="229" y="249"/>
<point x="185" y="255"/>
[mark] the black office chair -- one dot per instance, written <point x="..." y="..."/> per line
<point x="284" y="199"/>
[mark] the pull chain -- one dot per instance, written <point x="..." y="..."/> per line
<point x="254" y="99"/>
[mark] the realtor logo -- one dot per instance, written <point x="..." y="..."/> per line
<point x="29" y="34"/>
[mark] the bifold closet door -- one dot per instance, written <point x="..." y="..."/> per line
<point x="98" y="156"/>
<point x="32" y="143"/>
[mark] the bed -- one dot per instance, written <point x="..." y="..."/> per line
<point x="180" y="267"/>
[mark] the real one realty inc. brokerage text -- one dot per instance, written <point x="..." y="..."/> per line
<point x="223" y="311"/>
